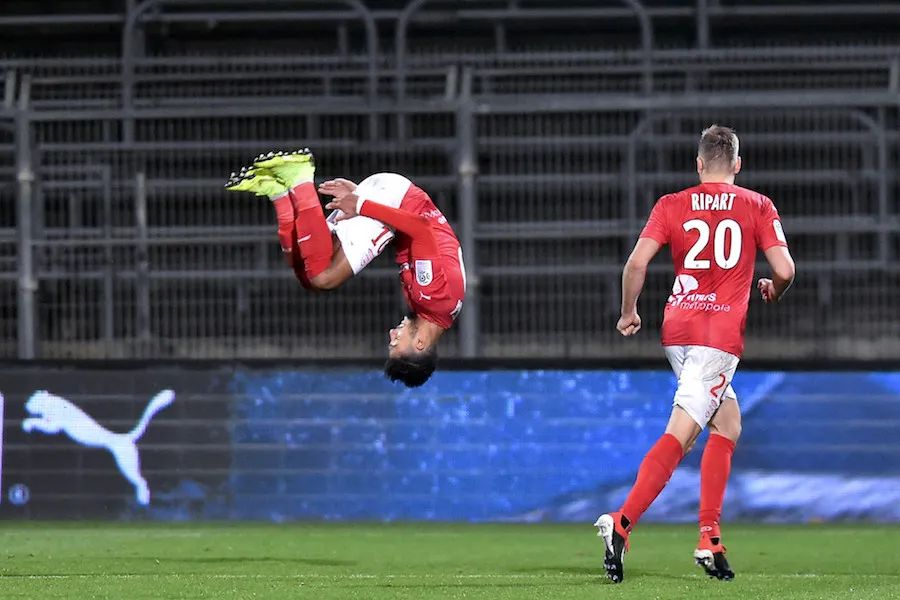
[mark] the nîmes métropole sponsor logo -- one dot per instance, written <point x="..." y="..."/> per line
<point x="685" y="296"/>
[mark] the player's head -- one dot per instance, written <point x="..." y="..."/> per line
<point x="718" y="154"/>
<point x="412" y="354"/>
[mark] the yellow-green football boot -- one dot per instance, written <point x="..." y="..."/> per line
<point x="292" y="168"/>
<point x="261" y="182"/>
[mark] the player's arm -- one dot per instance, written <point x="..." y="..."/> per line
<point x="654" y="236"/>
<point x="771" y="240"/>
<point x="414" y="226"/>
<point x="783" y="271"/>
<point x="635" y="273"/>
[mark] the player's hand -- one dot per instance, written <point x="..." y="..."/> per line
<point x="767" y="290"/>
<point x="345" y="204"/>
<point x="629" y="325"/>
<point x="337" y="188"/>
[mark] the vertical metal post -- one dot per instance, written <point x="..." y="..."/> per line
<point x="27" y="323"/>
<point x="9" y="90"/>
<point x="108" y="269"/>
<point x="467" y="169"/>
<point x="631" y="211"/>
<point x="894" y="75"/>
<point x="142" y="269"/>
<point x="884" y="242"/>
<point x="129" y="50"/>
<point x="702" y="24"/>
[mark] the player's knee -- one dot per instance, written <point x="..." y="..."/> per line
<point x="324" y="282"/>
<point x="732" y="431"/>
<point x="413" y="369"/>
<point x="688" y="449"/>
<point x="727" y="424"/>
<point x="683" y="426"/>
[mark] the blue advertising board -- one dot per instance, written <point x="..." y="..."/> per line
<point x="281" y="444"/>
<point x="553" y="445"/>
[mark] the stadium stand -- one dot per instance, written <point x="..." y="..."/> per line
<point x="544" y="129"/>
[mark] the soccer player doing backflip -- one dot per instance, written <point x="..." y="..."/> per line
<point x="713" y="231"/>
<point x="384" y="208"/>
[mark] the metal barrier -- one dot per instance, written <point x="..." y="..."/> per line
<point x="204" y="81"/>
<point x="131" y="264"/>
<point x="128" y="237"/>
<point x="546" y="163"/>
<point x="8" y="247"/>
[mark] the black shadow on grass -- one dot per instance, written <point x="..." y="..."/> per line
<point x="600" y="573"/>
<point x="312" y="562"/>
<point x="51" y="576"/>
<point x="567" y="570"/>
<point x="484" y="584"/>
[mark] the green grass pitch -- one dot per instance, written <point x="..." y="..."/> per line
<point x="422" y="561"/>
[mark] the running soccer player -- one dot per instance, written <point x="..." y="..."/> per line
<point x="714" y="230"/>
<point x="366" y="218"/>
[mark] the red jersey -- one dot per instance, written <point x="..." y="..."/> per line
<point x="714" y="230"/>
<point x="431" y="266"/>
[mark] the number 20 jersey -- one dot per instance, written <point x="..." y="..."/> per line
<point x="713" y="231"/>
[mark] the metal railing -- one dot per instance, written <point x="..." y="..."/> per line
<point x="125" y="244"/>
<point x="547" y="196"/>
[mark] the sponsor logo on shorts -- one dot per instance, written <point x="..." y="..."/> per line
<point x="711" y="409"/>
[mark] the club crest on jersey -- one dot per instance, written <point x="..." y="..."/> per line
<point x="424" y="272"/>
<point x="779" y="231"/>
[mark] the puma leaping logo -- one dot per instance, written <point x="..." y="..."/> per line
<point x="53" y="414"/>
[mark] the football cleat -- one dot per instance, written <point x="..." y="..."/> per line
<point x="292" y="168"/>
<point x="258" y="181"/>
<point x="710" y="555"/>
<point x="615" y="536"/>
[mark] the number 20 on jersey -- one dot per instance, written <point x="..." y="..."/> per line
<point x="726" y="252"/>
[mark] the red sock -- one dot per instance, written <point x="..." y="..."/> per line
<point x="655" y="472"/>
<point x="313" y="235"/>
<point x="284" y="212"/>
<point x="304" y="197"/>
<point x="715" y="467"/>
<point x="295" y="262"/>
<point x="287" y="236"/>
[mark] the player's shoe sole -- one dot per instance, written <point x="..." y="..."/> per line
<point x="292" y="168"/>
<point x="616" y="544"/>
<point x="258" y="181"/>
<point x="714" y="563"/>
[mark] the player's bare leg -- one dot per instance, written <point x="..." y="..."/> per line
<point x="715" y="468"/>
<point x="335" y="274"/>
<point x="655" y="471"/>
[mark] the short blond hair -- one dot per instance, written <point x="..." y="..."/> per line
<point x="719" y="148"/>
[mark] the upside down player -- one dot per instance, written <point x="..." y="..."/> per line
<point x="714" y="230"/>
<point x="383" y="208"/>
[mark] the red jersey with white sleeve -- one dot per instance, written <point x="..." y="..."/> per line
<point x="431" y="266"/>
<point x="713" y="230"/>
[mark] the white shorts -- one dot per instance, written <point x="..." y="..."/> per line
<point x="704" y="379"/>
<point x="362" y="238"/>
